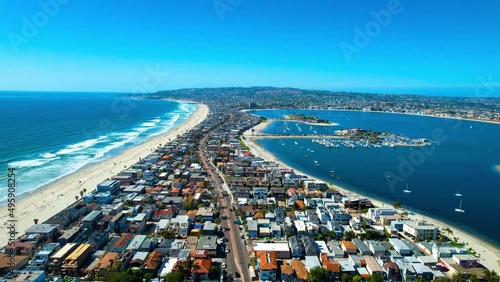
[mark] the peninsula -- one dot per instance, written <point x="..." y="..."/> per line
<point x="206" y="201"/>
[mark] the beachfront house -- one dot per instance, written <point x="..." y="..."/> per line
<point x="112" y="186"/>
<point x="420" y="230"/>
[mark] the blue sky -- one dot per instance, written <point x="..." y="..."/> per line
<point x="427" y="46"/>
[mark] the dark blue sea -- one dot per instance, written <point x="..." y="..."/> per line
<point x="46" y="136"/>
<point x="465" y="159"/>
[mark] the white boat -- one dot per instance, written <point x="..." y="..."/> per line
<point x="458" y="194"/>
<point x="459" y="209"/>
<point x="295" y="143"/>
<point x="407" y="190"/>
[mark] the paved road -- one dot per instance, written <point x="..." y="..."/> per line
<point x="237" y="258"/>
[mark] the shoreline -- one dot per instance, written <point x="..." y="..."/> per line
<point x="490" y="254"/>
<point x="381" y="112"/>
<point x="45" y="202"/>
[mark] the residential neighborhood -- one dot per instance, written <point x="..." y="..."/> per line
<point x="203" y="207"/>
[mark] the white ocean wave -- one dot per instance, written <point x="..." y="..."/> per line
<point x="148" y="124"/>
<point x="81" y="146"/>
<point x="48" y="155"/>
<point x="31" y="163"/>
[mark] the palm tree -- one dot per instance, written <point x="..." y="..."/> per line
<point x="76" y="198"/>
<point x="448" y="230"/>
<point x="458" y="277"/>
<point x="84" y="190"/>
<point x="490" y="276"/>
<point x="35" y="221"/>
<point x="396" y="204"/>
<point x="81" y="194"/>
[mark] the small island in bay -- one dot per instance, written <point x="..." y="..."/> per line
<point x="357" y="137"/>
<point x="307" y="119"/>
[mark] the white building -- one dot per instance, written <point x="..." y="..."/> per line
<point x="400" y="246"/>
<point x="300" y="226"/>
<point x="282" y="250"/>
<point x="181" y="224"/>
<point x="375" y="213"/>
<point x="420" y="230"/>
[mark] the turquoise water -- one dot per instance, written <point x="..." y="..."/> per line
<point x="48" y="135"/>
<point x="465" y="160"/>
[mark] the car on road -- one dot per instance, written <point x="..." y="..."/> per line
<point x="224" y="265"/>
<point x="227" y="251"/>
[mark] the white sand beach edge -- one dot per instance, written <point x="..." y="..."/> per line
<point x="45" y="203"/>
<point x="490" y="255"/>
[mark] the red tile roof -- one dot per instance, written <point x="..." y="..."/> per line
<point x="203" y="266"/>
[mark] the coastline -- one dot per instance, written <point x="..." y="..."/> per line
<point x="490" y="255"/>
<point x="45" y="202"/>
<point x="381" y="112"/>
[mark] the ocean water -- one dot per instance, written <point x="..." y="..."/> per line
<point x="46" y="136"/>
<point x="465" y="159"/>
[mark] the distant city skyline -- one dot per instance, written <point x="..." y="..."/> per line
<point x="419" y="47"/>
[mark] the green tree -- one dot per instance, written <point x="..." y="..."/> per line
<point x="318" y="274"/>
<point x="491" y="276"/>
<point x="331" y="234"/>
<point x="421" y="279"/>
<point x="356" y="278"/>
<point x="376" y="278"/>
<point x="473" y="278"/>
<point x="122" y="276"/>
<point x="448" y="231"/>
<point x="396" y="204"/>
<point x="442" y="279"/>
<point x="174" y="276"/>
<point x="149" y="276"/>
<point x="35" y="221"/>
<point x="346" y="277"/>
<point x="348" y="235"/>
<point x="458" y="277"/>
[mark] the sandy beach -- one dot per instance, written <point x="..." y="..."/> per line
<point x="46" y="202"/>
<point x="490" y="255"/>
